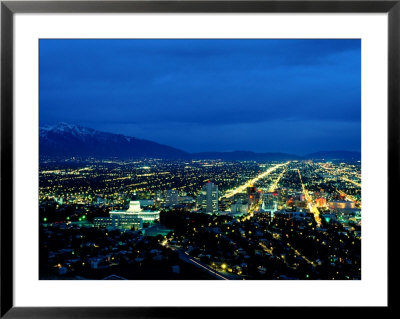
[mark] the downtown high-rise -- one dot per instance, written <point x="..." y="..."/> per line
<point x="208" y="198"/>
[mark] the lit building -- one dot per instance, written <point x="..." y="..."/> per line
<point x="341" y="204"/>
<point x="135" y="211"/>
<point x="254" y="195"/>
<point x="59" y="200"/>
<point x="185" y="200"/>
<point x="146" y="202"/>
<point x="102" y="222"/>
<point x="321" y="202"/>
<point x="133" y="217"/>
<point x="171" y="197"/>
<point x="269" y="205"/>
<point x="239" y="208"/>
<point x="158" y="196"/>
<point x="208" y="198"/>
<point x="118" y="221"/>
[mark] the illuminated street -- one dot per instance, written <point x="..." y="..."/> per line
<point x="276" y="182"/>
<point x="309" y="200"/>
<point x="253" y="181"/>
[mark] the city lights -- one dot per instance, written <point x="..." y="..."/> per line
<point x="200" y="159"/>
<point x="246" y="220"/>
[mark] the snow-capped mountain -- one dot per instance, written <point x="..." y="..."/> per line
<point x="73" y="140"/>
<point x="61" y="128"/>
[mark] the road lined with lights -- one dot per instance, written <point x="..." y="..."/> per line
<point x="255" y="207"/>
<point x="314" y="210"/>
<point x="297" y="253"/>
<point x="250" y="213"/>
<point x="184" y="256"/>
<point x="266" y="248"/>
<point x="273" y="187"/>
<point x="350" y="181"/>
<point x="251" y="182"/>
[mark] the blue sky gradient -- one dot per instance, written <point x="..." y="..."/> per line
<point x="295" y="96"/>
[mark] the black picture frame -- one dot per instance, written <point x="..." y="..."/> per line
<point x="9" y="8"/>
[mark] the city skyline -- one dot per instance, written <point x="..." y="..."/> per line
<point x="292" y="96"/>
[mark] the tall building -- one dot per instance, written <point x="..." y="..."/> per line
<point x="254" y="195"/>
<point x="171" y="197"/>
<point x="208" y="198"/>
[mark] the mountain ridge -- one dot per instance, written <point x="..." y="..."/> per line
<point x="66" y="140"/>
<point x="73" y="140"/>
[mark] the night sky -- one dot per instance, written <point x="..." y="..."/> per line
<point x="295" y="96"/>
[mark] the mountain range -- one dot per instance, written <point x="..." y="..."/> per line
<point x="66" y="140"/>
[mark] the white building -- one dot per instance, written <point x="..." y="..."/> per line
<point x="270" y="206"/>
<point x="134" y="210"/>
<point x="239" y="208"/>
<point x="133" y="217"/>
<point x="119" y="221"/>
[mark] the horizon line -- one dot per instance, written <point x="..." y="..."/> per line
<point x="230" y="151"/>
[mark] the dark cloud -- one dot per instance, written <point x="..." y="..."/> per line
<point x="216" y="87"/>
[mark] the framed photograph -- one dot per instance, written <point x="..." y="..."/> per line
<point x="165" y="157"/>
